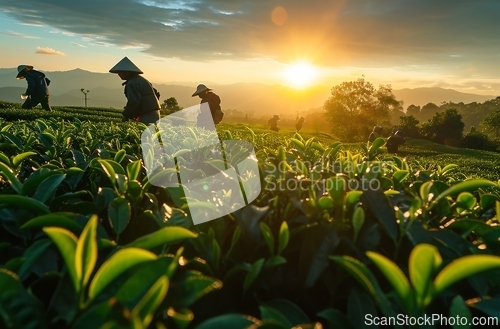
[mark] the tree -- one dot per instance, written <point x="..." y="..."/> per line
<point x="386" y="101"/>
<point x="427" y="111"/>
<point x="477" y="140"/>
<point x="491" y="124"/>
<point x="413" y="110"/>
<point x="409" y="125"/>
<point x="447" y="125"/>
<point x="356" y="106"/>
<point x="170" y="106"/>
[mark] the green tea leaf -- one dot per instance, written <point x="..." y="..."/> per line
<point x="253" y="274"/>
<point x="271" y="314"/>
<point x="146" y="308"/>
<point x="53" y="219"/>
<point x="336" y="188"/>
<point x="18" y="159"/>
<point x="19" y="201"/>
<point x="191" y="286"/>
<point x="31" y="255"/>
<point x="48" y="187"/>
<point x="66" y="243"/>
<point x="13" y="139"/>
<point x="268" y="236"/>
<point x="120" y="155"/>
<point x="284" y="237"/>
<point x="366" y="279"/>
<point x="358" y="218"/>
<point x="275" y="261"/>
<point x="133" y="170"/>
<point x="14" y="182"/>
<point x="230" y="321"/>
<point x="399" y="176"/>
<point x="466" y="200"/>
<point x="462" y="268"/>
<point x="9" y="282"/>
<point x="395" y="277"/>
<point x="117" y="264"/>
<point x="86" y="251"/>
<point x="163" y="236"/>
<point x="468" y="185"/>
<point x="423" y="262"/>
<point x="459" y="309"/>
<point x="119" y="214"/>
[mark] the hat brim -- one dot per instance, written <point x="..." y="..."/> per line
<point x="21" y="74"/>
<point x="199" y="92"/>
<point x="120" y="71"/>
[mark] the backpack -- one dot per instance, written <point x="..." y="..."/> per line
<point x="217" y="116"/>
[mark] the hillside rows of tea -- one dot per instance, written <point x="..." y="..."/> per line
<point x="87" y="241"/>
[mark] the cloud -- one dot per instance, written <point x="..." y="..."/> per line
<point x="331" y="33"/>
<point x="20" y="35"/>
<point x="49" y="51"/>
<point x="79" y="45"/>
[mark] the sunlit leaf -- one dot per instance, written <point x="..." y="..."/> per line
<point x="118" y="263"/>
<point x="66" y="243"/>
<point x="86" y="251"/>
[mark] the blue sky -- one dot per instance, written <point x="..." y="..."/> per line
<point x="406" y="43"/>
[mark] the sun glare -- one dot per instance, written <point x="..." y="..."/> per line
<point x="300" y="75"/>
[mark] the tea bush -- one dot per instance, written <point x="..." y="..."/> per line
<point x="88" y="242"/>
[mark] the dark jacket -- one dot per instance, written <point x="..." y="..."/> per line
<point x="213" y="101"/>
<point x="393" y="143"/>
<point x="141" y="97"/>
<point x="37" y="84"/>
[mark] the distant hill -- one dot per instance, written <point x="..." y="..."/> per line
<point x="422" y="96"/>
<point x="12" y="94"/>
<point x="256" y="99"/>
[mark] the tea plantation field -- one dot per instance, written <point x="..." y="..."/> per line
<point x="339" y="234"/>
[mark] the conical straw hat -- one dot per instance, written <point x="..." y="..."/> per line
<point x="125" y="65"/>
<point x="21" y="69"/>
<point x="201" y="88"/>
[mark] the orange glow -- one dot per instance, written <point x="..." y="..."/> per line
<point x="300" y="75"/>
<point x="279" y="16"/>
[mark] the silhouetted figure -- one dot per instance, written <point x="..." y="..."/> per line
<point x="142" y="99"/>
<point x="299" y="123"/>
<point x="38" y="87"/>
<point x="394" y="141"/>
<point x="376" y="133"/>
<point x="213" y="100"/>
<point x="273" y="122"/>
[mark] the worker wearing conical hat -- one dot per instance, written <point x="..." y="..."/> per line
<point x="273" y="122"/>
<point x="142" y="99"/>
<point x="213" y="100"/>
<point x="38" y="87"/>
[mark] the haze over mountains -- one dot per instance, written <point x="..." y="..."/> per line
<point x="253" y="98"/>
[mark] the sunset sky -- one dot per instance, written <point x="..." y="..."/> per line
<point x="406" y="43"/>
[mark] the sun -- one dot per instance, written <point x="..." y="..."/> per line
<point x="300" y="75"/>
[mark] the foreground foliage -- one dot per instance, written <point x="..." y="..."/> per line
<point x="87" y="241"/>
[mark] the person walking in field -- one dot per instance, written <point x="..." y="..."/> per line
<point x="376" y="133"/>
<point x="213" y="100"/>
<point x="38" y="87"/>
<point x="299" y="123"/>
<point x="142" y="99"/>
<point x="394" y="141"/>
<point x="273" y="122"/>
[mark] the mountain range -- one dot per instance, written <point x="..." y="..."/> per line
<point x="256" y="99"/>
